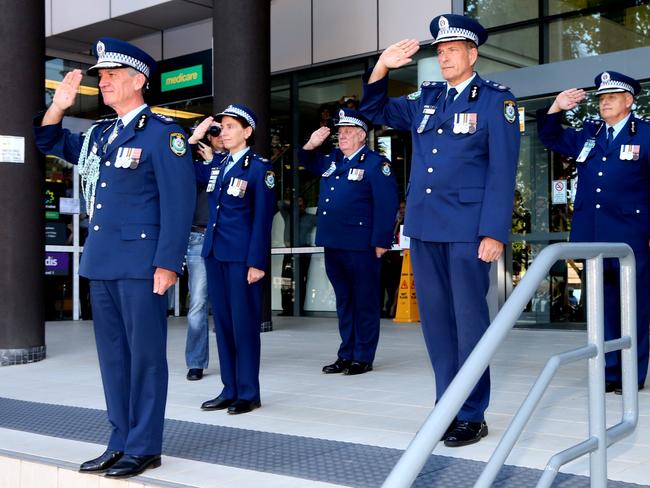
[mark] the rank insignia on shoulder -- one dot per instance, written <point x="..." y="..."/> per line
<point x="177" y="143"/>
<point x="509" y="111"/>
<point x="414" y="96"/>
<point x="164" y="118"/>
<point x="269" y="180"/>
<point x="385" y="169"/>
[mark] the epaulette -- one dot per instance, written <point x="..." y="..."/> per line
<point x="107" y="120"/>
<point x="645" y="119"/>
<point x="593" y="121"/>
<point x="264" y="160"/>
<point x="496" y="86"/>
<point x="163" y="118"/>
<point x="433" y="84"/>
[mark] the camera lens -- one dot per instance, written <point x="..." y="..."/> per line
<point x="214" y="130"/>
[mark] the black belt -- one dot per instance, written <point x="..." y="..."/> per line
<point x="198" y="228"/>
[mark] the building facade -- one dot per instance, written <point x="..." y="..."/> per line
<point x="319" y="50"/>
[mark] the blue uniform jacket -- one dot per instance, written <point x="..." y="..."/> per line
<point x="461" y="186"/>
<point x="142" y="216"/>
<point x="353" y="214"/>
<point x="239" y="229"/>
<point x="613" y="199"/>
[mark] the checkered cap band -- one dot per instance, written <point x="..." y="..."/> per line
<point x="122" y="60"/>
<point x="455" y="33"/>
<point x="345" y="120"/>
<point x="231" y="110"/>
<point x="611" y="85"/>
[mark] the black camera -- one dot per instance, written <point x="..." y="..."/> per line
<point x="214" y="130"/>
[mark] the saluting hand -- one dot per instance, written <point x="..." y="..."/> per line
<point x="317" y="138"/>
<point x="567" y="100"/>
<point x="66" y="93"/>
<point x="490" y="249"/>
<point x="200" y="130"/>
<point x="64" y="97"/>
<point x="254" y="275"/>
<point x="399" y="54"/>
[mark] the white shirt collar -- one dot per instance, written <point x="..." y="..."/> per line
<point x="461" y="86"/>
<point x="351" y="156"/>
<point x="619" y="125"/>
<point x="126" y="119"/>
<point x="238" y="155"/>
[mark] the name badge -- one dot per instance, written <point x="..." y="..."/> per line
<point x="355" y="174"/>
<point x="128" y="157"/>
<point x="212" y="182"/>
<point x="329" y="170"/>
<point x="630" y="152"/>
<point x="429" y="110"/>
<point x="586" y="149"/>
<point x="465" y="123"/>
<point x="237" y="187"/>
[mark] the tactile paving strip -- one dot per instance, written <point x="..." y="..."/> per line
<point x="336" y="462"/>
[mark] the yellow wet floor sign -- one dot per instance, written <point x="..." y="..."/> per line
<point x="407" y="305"/>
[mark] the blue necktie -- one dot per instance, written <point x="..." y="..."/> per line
<point x="228" y="165"/>
<point x="610" y="136"/>
<point x="450" y="97"/>
<point x="119" y="125"/>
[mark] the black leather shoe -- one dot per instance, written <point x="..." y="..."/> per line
<point x="243" y="406"/>
<point x="131" y="465"/>
<point x="101" y="463"/>
<point x="337" y="367"/>
<point x="611" y="386"/>
<point x="466" y="433"/>
<point x="619" y="389"/>
<point x="218" y="403"/>
<point x="449" y="430"/>
<point x="356" y="367"/>
<point x="194" y="374"/>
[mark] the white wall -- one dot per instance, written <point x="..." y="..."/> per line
<point x="303" y="32"/>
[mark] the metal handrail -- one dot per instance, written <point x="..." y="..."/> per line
<point x="423" y="444"/>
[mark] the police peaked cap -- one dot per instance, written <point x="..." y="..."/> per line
<point x="352" y="118"/>
<point x="238" y="110"/>
<point x="452" y="27"/>
<point x="114" y="53"/>
<point x="613" y="82"/>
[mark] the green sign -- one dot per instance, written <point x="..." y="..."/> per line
<point x="181" y="78"/>
<point x="50" y="215"/>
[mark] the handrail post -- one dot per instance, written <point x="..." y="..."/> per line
<point x="596" y="336"/>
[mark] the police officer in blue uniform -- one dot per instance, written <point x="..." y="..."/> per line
<point x="459" y="199"/>
<point x="356" y="208"/>
<point x="139" y="187"/>
<point x="236" y="248"/>
<point x="612" y="203"/>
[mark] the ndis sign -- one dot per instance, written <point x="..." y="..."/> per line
<point x="57" y="263"/>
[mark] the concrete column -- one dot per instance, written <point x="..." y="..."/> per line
<point x="22" y="242"/>
<point x="242" y="74"/>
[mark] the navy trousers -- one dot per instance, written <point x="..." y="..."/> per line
<point x="451" y="285"/>
<point x="130" y="324"/>
<point x="355" y="278"/>
<point x="611" y="291"/>
<point x="237" y="310"/>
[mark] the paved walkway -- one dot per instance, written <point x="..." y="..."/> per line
<point x="313" y="429"/>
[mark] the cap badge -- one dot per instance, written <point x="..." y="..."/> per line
<point x="101" y="49"/>
<point x="605" y="77"/>
<point x="443" y="23"/>
<point x="341" y="113"/>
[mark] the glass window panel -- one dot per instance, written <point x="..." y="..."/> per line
<point x="517" y="48"/>
<point x="599" y="33"/>
<point x="492" y="13"/>
<point x="87" y="102"/>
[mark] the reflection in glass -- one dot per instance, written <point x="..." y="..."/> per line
<point x="599" y="33"/>
<point x="492" y="13"/>
<point x="516" y="48"/>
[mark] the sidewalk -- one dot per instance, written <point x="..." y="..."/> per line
<point x="375" y="414"/>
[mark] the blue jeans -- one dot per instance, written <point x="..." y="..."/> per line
<point x="196" y="346"/>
